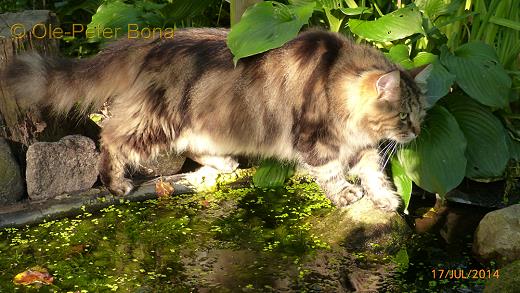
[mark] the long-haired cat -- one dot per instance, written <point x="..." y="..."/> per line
<point x="319" y="100"/>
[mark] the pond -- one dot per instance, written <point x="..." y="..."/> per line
<point x="286" y="239"/>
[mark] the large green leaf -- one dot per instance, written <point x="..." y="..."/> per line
<point x="113" y="15"/>
<point x="120" y="17"/>
<point x="423" y="58"/>
<point x="267" y="25"/>
<point x="479" y="73"/>
<point x="272" y="173"/>
<point x="436" y="8"/>
<point x="436" y="160"/>
<point x="400" y="54"/>
<point x="330" y="4"/>
<point x="514" y="148"/>
<point x="399" y="24"/>
<point x="401" y="181"/>
<point x="487" y="151"/>
<point x="438" y="83"/>
<point x="356" y="11"/>
<point x="181" y="9"/>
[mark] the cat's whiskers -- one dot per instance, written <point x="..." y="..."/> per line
<point x="392" y="150"/>
<point x="391" y="147"/>
<point x="382" y="150"/>
<point x="382" y="153"/>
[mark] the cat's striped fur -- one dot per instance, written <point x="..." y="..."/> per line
<point x="319" y="100"/>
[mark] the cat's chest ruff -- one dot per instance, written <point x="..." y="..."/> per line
<point x="355" y="141"/>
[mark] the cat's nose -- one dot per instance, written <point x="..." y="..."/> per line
<point x="416" y="130"/>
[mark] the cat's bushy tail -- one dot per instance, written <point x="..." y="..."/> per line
<point x="61" y="83"/>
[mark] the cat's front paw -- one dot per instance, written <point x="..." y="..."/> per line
<point x="386" y="199"/>
<point x="348" y="195"/>
<point x="227" y="165"/>
<point x="120" y="187"/>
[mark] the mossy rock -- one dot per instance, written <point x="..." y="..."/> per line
<point x="507" y="280"/>
<point x="11" y="183"/>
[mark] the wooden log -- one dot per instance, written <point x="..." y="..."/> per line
<point x="95" y="199"/>
<point x="22" y="32"/>
<point x="69" y="205"/>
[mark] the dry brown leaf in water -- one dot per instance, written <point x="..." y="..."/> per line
<point x="204" y="203"/>
<point x="34" y="276"/>
<point x="163" y="189"/>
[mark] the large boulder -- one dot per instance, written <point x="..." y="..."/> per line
<point x="11" y="183"/>
<point x="498" y="235"/>
<point x="54" y="168"/>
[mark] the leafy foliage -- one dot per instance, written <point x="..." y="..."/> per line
<point x="479" y="73"/>
<point x="487" y="151"/>
<point x="272" y="174"/>
<point x="397" y="25"/>
<point x="142" y="14"/>
<point x="435" y="160"/>
<point x="267" y="25"/>
<point x="402" y="182"/>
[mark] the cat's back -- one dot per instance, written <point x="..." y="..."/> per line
<point x="337" y="50"/>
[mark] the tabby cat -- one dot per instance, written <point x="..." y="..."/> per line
<point x="320" y="100"/>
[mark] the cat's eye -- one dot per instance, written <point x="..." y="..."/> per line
<point x="403" y="115"/>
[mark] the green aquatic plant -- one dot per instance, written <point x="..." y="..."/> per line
<point x="146" y="245"/>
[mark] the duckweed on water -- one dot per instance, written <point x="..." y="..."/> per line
<point x="152" y="245"/>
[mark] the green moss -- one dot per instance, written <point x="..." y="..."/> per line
<point x="505" y="280"/>
<point x="230" y="239"/>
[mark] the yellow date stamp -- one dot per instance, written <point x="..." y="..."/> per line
<point x="465" y="274"/>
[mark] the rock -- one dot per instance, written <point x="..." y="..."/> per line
<point x="506" y="281"/>
<point x="165" y="164"/>
<point x="11" y="183"/>
<point x="59" y="167"/>
<point x="498" y="235"/>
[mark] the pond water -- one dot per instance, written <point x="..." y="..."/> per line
<point x="235" y="239"/>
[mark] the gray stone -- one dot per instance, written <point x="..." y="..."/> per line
<point x="498" y="235"/>
<point x="11" y="183"/>
<point x="165" y="164"/>
<point x="54" y="168"/>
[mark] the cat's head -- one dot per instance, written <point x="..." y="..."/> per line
<point x="395" y="106"/>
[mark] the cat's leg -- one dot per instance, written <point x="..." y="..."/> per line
<point x="374" y="180"/>
<point x="112" y="171"/>
<point x="331" y="178"/>
<point x="223" y="164"/>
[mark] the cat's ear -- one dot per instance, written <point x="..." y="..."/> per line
<point x="420" y="75"/>
<point x="387" y="86"/>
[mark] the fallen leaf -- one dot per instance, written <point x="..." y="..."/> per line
<point x="77" y="248"/>
<point x="163" y="189"/>
<point x="204" y="203"/>
<point x="34" y="276"/>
